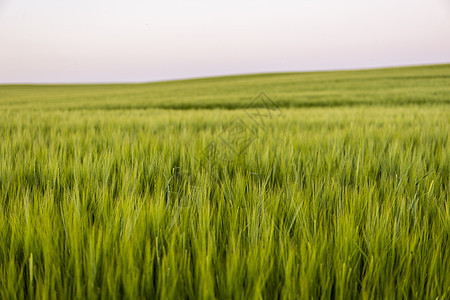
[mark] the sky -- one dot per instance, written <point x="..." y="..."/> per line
<point x="101" y="41"/>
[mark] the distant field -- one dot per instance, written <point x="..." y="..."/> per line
<point x="335" y="185"/>
<point x="397" y="86"/>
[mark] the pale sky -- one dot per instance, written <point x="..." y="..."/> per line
<point x="55" y="41"/>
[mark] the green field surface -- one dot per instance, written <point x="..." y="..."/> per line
<point x="330" y="185"/>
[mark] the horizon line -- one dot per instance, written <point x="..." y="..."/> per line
<point x="230" y="75"/>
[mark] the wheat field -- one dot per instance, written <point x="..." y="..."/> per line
<point x="331" y="185"/>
